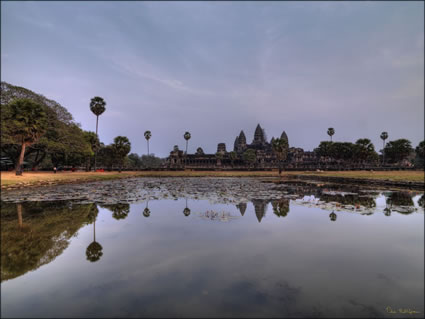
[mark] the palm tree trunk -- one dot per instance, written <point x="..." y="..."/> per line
<point x="21" y="160"/>
<point x="95" y="152"/>
<point x="383" y="152"/>
<point x="94" y="229"/>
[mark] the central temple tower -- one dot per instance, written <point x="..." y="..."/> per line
<point x="259" y="138"/>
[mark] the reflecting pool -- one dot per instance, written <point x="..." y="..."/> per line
<point x="313" y="251"/>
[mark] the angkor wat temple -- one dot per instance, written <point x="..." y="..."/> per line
<point x="265" y="158"/>
<point x="223" y="159"/>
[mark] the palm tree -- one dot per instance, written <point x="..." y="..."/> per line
<point x="280" y="148"/>
<point x="384" y="136"/>
<point x="187" y="137"/>
<point x="121" y="147"/>
<point x="25" y="121"/>
<point x="148" y="135"/>
<point x="97" y="106"/>
<point x="331" y="132"/>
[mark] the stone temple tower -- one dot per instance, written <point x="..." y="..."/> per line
<point x="240" y="143"/>
<point x="221" y="148"/>
<point x="285" y="137"/>
<point x="258" y="136"/>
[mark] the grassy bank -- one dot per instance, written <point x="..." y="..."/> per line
<point x="10" y="180"/>
<point x="405" y="176"/>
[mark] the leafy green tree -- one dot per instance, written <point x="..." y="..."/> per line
<point x="398" y="150"/>
<point x="134" y="161"/>
<point x="150" y="161"/>
<point x="384" y="136"/>
<point x="121" y="147"/>
<point x="331" y="132"/>
<point x="63" y="143"/>
<point x="148" y="135"/>
<point x="25" y="121"/>
<point x="342" y="151"/>
<point x="324" y="149"/>
<point x="92" y="139"/>
<point x="97" y="106"/>
<point x="107" y="156"/>
<point x="280" y="148"/>
<point x="420" y="154"/>
<point x="250" y="156"/>
<point x="364" y="150"/>
<point x="233" y="156"/>
<point x="70" y="147"/>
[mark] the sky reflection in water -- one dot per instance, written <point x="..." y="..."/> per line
<point x="194" y="258"/>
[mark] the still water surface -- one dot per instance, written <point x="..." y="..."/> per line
<point x="302" y="256"/>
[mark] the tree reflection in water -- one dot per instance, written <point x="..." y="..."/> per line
<point x="401" y="202"/>
<point x="94" y="250"/>
<point x="35" y="233"/>
<point x="421" y="201"/>
<point x="350" y="199"/>
<point x="146" y="211"/>
<point x="281" y="207"/>
<point x="119" y="211"/>
<point x="332" y="216"/>
<point x="387" y="211"/>
<point x="186" y="211"/>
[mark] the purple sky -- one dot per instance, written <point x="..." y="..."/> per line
<point x="214" y="68"/>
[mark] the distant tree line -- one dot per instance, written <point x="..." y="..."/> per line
<point x="363" y="151"/>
